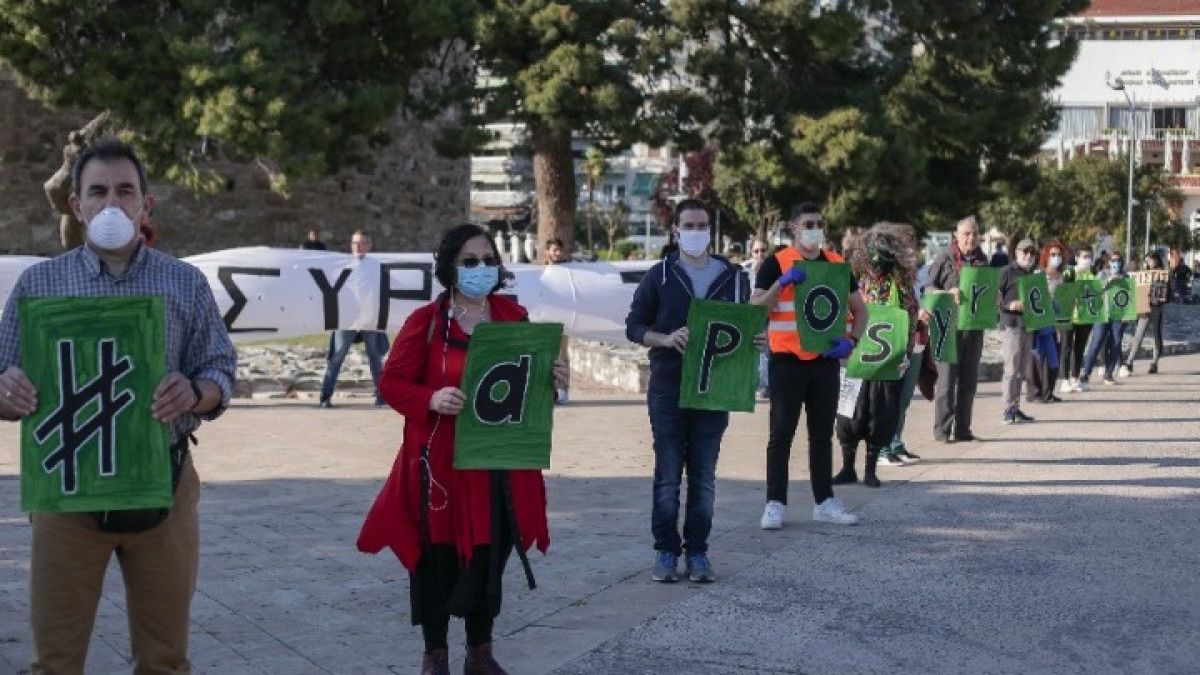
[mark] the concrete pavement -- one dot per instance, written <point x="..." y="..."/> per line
<point x="1066" y="545"/>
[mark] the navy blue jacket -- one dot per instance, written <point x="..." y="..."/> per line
<point x="661" y="304"/>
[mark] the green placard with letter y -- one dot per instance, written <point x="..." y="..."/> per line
<point x="92" y="444"/>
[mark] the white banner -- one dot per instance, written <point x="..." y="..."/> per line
<point x="266" y="293"/>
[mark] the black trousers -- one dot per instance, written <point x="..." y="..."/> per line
<point x="954" y="397"/>
<point x="876" y="416"/>
<point x="797" y="386"/>
<point x="1074" y="347"/>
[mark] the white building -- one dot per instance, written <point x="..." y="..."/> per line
<point x="1140" y="52"/>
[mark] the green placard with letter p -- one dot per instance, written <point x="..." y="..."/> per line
<point x="508" y="381"/>
<point x="720" y="364"/>
<point x="977" y="307"/>
<point x="92" y="444"/>
<point x="821" y="305"/>
<point x="1038" y="305"/>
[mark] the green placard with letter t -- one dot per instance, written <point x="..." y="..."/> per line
<point x="92" y="444"/>
<point x="508" y="380"/>
<point x="720" y="364"/>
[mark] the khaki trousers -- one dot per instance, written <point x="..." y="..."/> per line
<point x="69" y="558"/>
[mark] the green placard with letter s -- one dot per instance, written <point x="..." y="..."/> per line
<point x="883" y="345"/>
<point x="821" y="305"/>
<point x="720" y="364"/>
<point x="977" y="306"/>
<point x="943" y="326"/>
<point x="508" y="380"/>
<point x="92" y="444"/>
<point x="1038" y="305"/>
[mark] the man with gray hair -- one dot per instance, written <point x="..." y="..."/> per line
<point x="365" y="277"/>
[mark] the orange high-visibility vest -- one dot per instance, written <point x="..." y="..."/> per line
<point x="782" y="335"/>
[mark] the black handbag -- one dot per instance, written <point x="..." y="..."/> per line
<point x="132" y="521"/>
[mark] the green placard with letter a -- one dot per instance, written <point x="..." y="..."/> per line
<point x="92" y="444"/>
<point x="720" y="364"/>
<point x="508" y="380"/>
<point x="820" y="304"/>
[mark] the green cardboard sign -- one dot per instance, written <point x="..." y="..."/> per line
<point x="508" y="380"/>
<point x="1089" y="307"/>
<point x="943" y="326"/>
<point x="821" y="304"/>
<point x="92" y="444"/>
<point x="1065" y="297"/>
<point x="977" y="306"/>
<point x="1120" y="300"/>
<point x="883" y="346"/>
<point x="1038" y="304"/>
<point x="720" y="364"/>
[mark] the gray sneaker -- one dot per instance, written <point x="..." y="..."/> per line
<point x="832" y="511"/>
<point x="699" y="569"/>
<point x="664" y="567"/>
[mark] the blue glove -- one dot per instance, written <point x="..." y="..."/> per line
<point x="792" y="276"/>
<point x="842" y="348"/>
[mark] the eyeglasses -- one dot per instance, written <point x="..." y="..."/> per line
<point x="473" y="262"/>
<point x="810" y="224"/>
<point x="756" y="251"/>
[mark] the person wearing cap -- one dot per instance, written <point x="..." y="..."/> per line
<point x="1018" y="342"/>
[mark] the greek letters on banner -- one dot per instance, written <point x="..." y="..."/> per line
<point x="1065" y="297"/>
<point x="977" y="306"/>
<point x="1034" y="292"/>
<point x="720" y="364"/>
<point x="1090" y="304"/>
<point x="943" y="326"/>
<point x="508" y="380"/>
<point x="848" y="395"/>
<point x="883" y="346"/>
<point x="92" y="444"/>
<point x="821" y="304"/>
<point x="1119" y="300"/>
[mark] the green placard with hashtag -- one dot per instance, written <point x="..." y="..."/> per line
<point x="508" y="419"/>
<point x="92" y="444"/>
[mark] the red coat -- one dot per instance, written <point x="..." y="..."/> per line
<point x="459" y="514"/>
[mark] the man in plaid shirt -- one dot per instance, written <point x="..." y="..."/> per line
<point x="70" y="551"/>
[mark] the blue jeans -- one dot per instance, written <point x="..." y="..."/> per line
<point x="1108" y="337"/>
<point x="683" y="440"/>
<point x="340" y="341"/>
<point x="908" y="384"/>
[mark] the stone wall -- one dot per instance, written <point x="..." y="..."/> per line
<point x="406" y="197"/>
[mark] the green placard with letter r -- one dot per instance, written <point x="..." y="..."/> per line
<point x="92" y="444"/>
<point x="508" y="380"/>
<point x="977" y="306"/>
<point x="720" y="364"/>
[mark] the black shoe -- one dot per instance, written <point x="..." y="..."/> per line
<point x="966" y="437"/>
<point x="943" y="438"/>
<point x="326" y="404"/>
<point x="870" y="480"/>
<point x="1021" y="416"/>
<point x="1152" y="369"/>
<point x="846" y="476"/>
<point x="1052" y="399"/>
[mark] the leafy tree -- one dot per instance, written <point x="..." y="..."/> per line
<point x="749" y="180"/>
<point x="595" y="166"/>
<point x="300" y="87"/>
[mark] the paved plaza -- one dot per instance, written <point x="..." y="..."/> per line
<point x="1066" y="545"/>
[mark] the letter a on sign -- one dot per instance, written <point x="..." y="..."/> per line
<point x="509" y="383"/>
<point x="92" y="444"/>
<point x="720" y="364"/>
<point x="820" y="304"/>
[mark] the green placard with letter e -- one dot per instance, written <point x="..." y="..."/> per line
<point x="820" y="303"/>
<point x="1120" y="300"/>
<point x="1037" y="305"/>
<point x="508" y="380"/>
<point x="720" y="364"/>
<point x="943" y="326"/>
<point x="977" y="306"/>
<point x="92" y="444"/>
<point x="883" y="345"/>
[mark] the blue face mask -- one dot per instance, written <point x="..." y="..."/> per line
<point x="478" y="281"/>
<point x="1114" y="265"/>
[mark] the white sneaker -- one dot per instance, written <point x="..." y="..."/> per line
<point x="1067" y="387"/>
<point x="562" y="396"/>
<point x="772" y="518"/>
<point x="1082" y="386"/>
<point x="832" y="511"/>
<point x="1124" y="371"/>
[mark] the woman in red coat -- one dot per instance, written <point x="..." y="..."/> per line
<point x="452" y="529"/>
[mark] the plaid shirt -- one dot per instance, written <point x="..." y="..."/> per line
<point x="197" y="343"/>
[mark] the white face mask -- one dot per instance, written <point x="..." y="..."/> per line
<point x="110" y="229"/>
<point x="1055" y="261"/>
<point x="812" y="238"/>
<point x="1083" y="263"/>
<point x="694" y="242"/>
